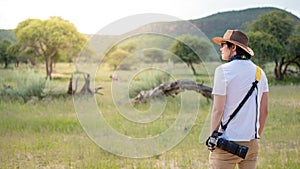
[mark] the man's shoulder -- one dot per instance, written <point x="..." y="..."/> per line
<point x="229" y="66"/>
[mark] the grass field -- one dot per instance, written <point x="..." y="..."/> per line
<point x="46" y="133"/>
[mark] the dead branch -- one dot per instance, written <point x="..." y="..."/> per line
<point x="85" y="90"/>
<point x="173" y="88"/>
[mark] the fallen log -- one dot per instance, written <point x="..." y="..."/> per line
<point x="173" y="88"/>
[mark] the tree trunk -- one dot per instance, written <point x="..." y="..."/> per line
<point x="190" y="64"/>
<point x="280" y="73"/>
<point x="48" y="75"/>
<point x="193" y="69"/>
<point x="51" y="68"/>
<point x="288" y="63"/>
<point x="278" y="69"/>
<point x="49" y="59"/>
<point x="275" y="69"/>
<point x="5" y="65"/>
<point x="70" y="88"/>
<point x="17" y="63"/>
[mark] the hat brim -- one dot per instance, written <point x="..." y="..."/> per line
<point x="219" y="40"/>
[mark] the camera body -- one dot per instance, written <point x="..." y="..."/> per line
<point x="232" y="147"/>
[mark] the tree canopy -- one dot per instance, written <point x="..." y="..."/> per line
<point x="4" y="55"/>
<point x="118" y="52"/>
<point x="51" y="39"/>
<point x="190" y="49"/>
<point x="275" y="37"/>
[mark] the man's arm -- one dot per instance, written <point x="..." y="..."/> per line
<point x="217" y="112"/>
<point x="263" y="112"/>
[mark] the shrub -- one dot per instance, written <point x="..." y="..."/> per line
<point x="25" y="85"/>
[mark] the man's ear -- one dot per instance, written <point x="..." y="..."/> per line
<point x="233" y="48"/>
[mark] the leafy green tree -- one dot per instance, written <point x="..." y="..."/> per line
<point x="266" y="47"/>
<point x="114" y="59"/>
<point x="49" y="39"/>
<point x="154" y="55"/>
<point x="190" y="49"/>
<point x="13" y="53"/>
<point x="274" y="38"/>
<point x="119" y="52"/>
<point x="4" y="55"/>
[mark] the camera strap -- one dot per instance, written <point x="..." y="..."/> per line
<point x="249" y="93"/>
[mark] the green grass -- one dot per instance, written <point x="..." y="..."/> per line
<point x="280" y="143"/>
<point x="47" y="134"/>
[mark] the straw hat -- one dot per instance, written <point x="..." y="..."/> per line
<point x="236" y="37"/>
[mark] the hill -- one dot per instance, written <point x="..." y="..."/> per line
<point x="7" y="34"/>
<point x="211" y="26"/>
<point x="216" y="24"/>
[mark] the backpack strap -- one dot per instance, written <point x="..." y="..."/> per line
<point x="249" y="93"/>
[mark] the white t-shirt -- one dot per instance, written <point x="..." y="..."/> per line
<point x="234" y="79"/>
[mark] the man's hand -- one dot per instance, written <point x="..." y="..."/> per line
<point x="211" y="142"/>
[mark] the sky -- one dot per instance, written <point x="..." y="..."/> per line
<point x="90" y="16"/>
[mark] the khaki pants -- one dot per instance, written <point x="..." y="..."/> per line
<point x="220" y="159"/>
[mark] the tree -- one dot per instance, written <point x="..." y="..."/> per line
<point x="115" y="58"/>
<point x="273" y="36"/>
<point x="190" y="49"/>
<point x="13" y="52"/>
<point x="4" y="55"/>
<point x="266" y="47"/>
<point x="50" y="39"/>
<point x="120" y="51"/>
<point x="154" y="55"/>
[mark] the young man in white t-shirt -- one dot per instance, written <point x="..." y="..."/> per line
<point x="232" y="81"/>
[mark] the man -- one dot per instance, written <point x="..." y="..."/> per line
<point x="232" y="82"/>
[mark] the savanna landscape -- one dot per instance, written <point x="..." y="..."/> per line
<point x="40" y="126"/>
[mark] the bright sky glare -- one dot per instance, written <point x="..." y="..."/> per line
<point x="89" y="16"/>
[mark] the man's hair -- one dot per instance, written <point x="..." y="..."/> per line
<point x="239" y="50"/>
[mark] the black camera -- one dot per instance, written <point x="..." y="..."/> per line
<point x="232" y="147"/>
<point x="226" y="145"/>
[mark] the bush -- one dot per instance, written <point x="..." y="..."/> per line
<point x="288" y="80"/>
<point x="25" y="85"/>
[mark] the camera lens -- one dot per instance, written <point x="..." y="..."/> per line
<point x="232" y="147"/>
<point x="242" y="151"/>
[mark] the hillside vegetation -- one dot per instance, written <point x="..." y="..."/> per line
<point x="216" y="24"/>
<point x="211" y="26"/>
